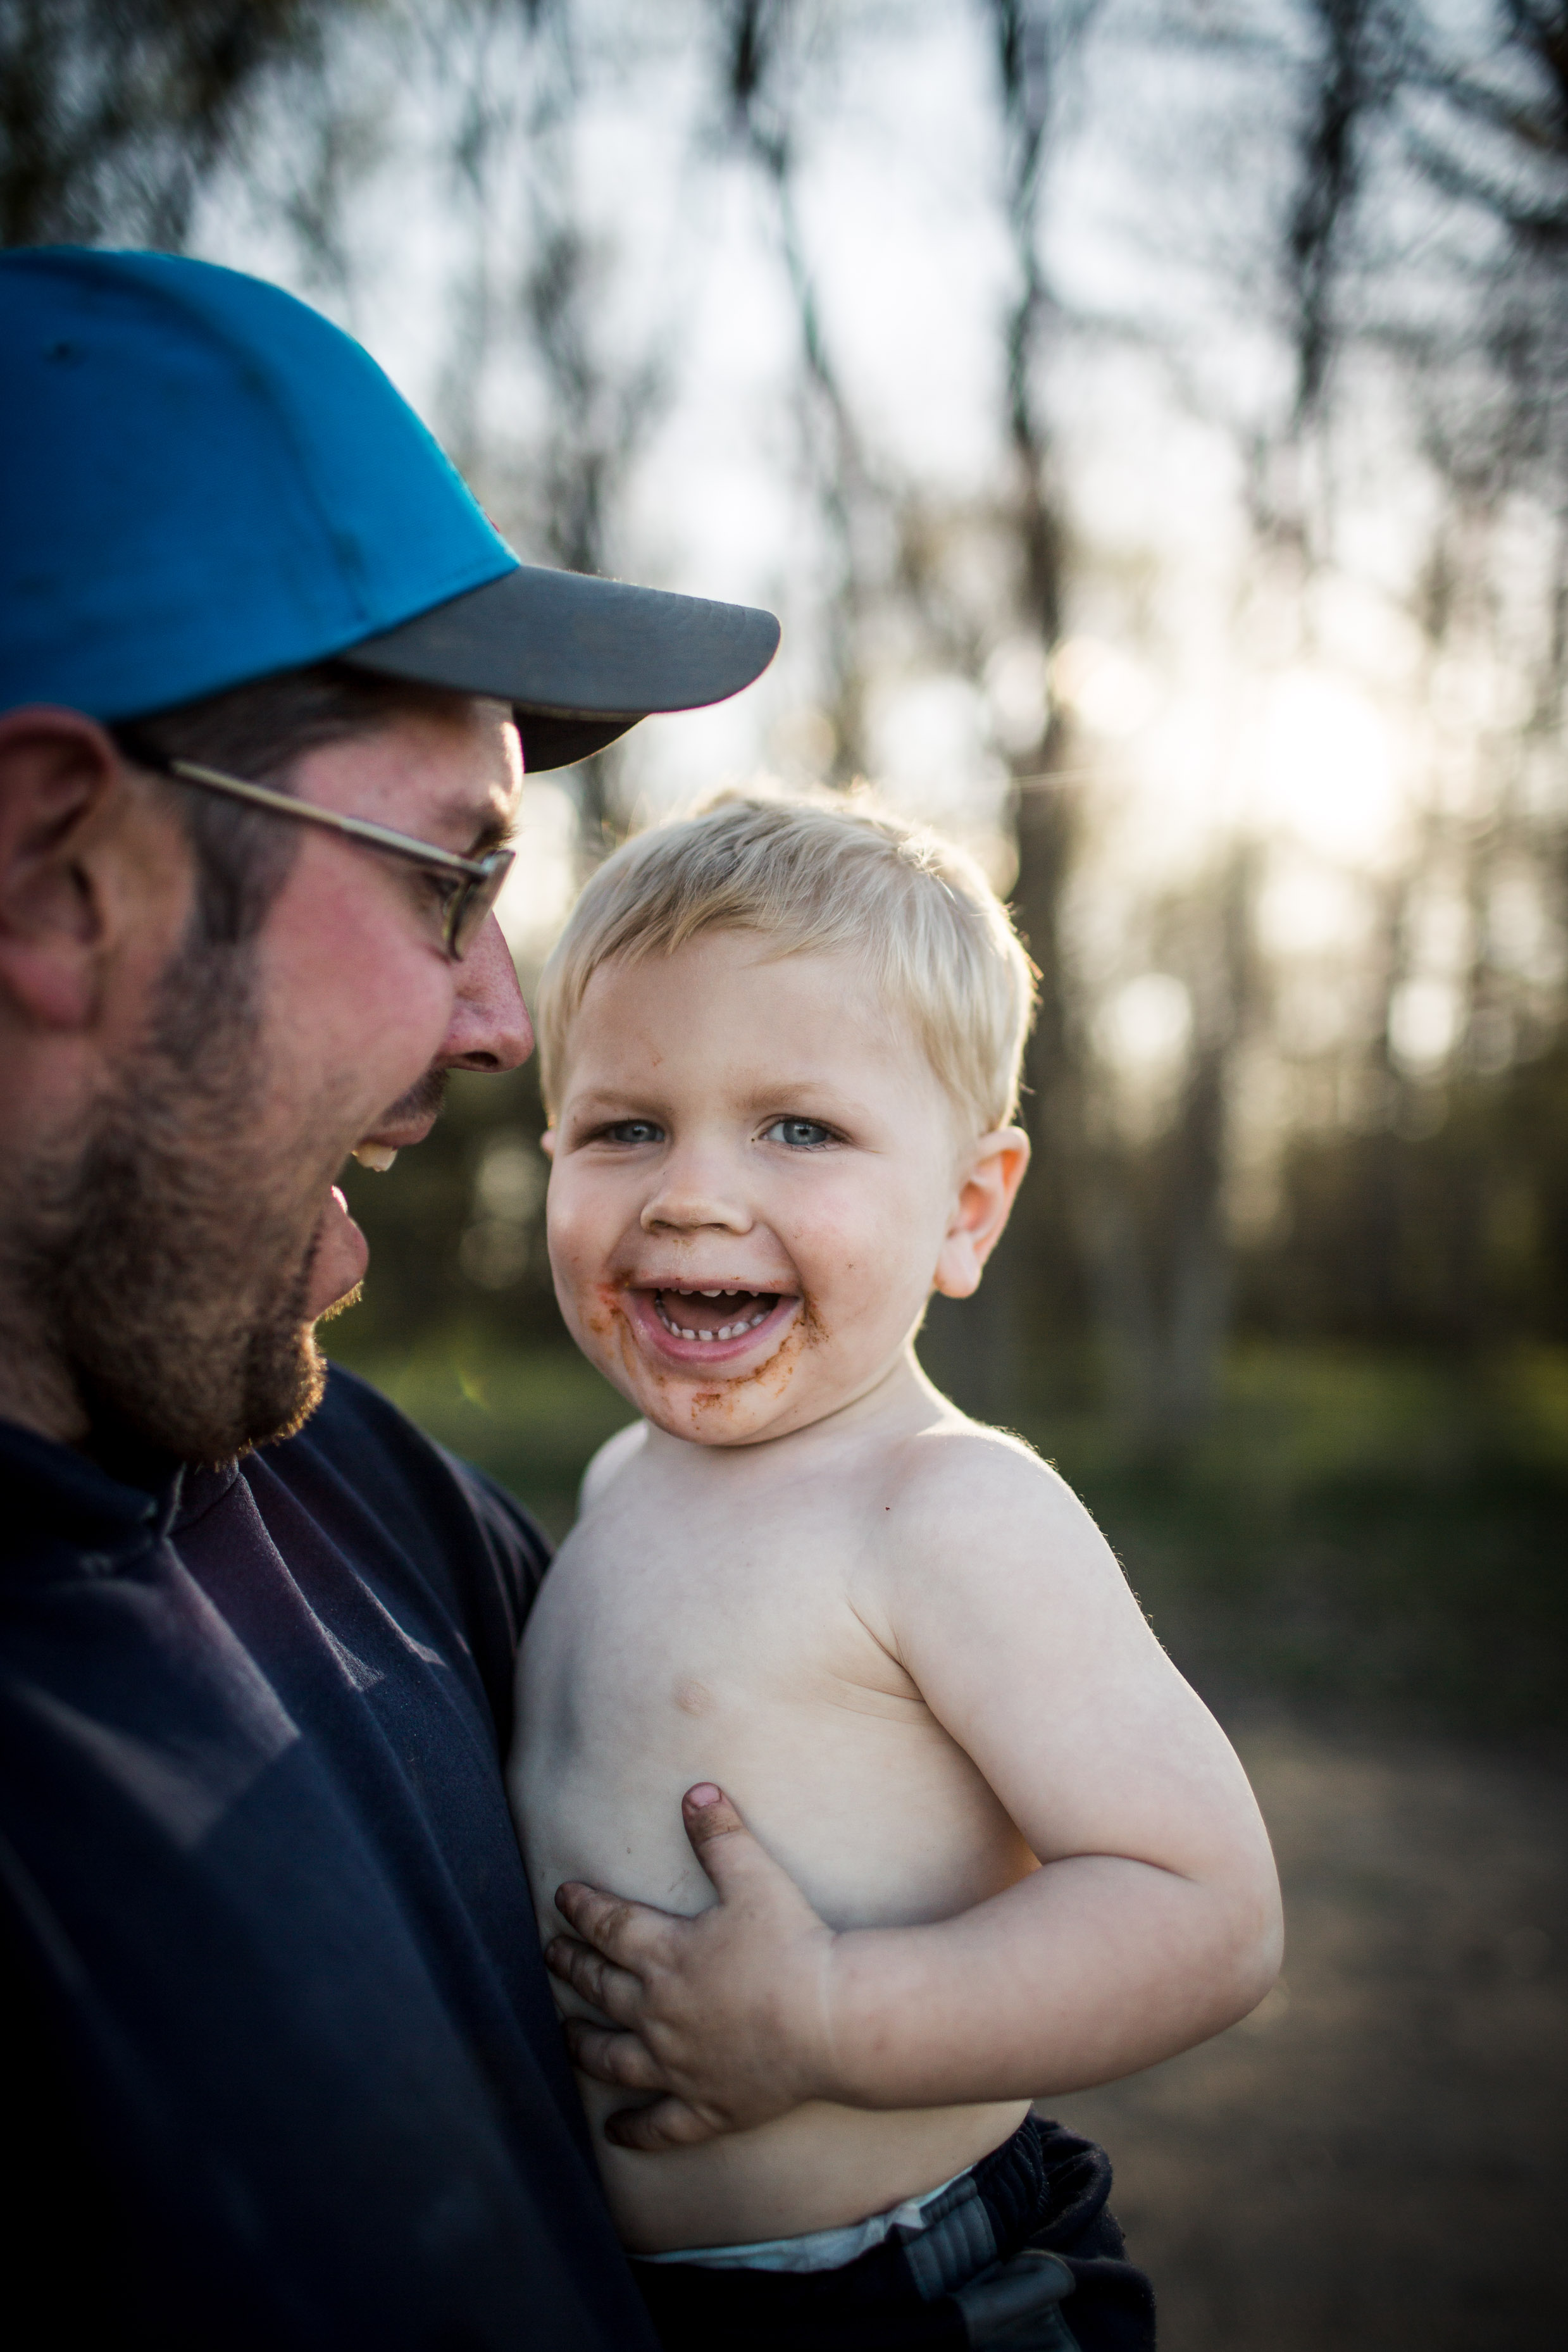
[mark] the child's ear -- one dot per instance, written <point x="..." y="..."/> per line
<point x="986" y="1196"/>
<point x="547" y="1143"/>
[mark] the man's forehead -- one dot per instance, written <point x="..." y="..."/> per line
<point x="497" y="772"/>
<point x="481" y="790"/>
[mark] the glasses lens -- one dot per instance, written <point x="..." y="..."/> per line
<point x="473" y="901"/>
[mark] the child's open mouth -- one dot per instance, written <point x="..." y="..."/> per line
<point x="706" y="1327"/>
<point x="714" y="1316"/>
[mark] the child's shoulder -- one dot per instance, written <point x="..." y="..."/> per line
<point x="615" y="1456"/>
<point x="959" y="1488"/>
<point x="956" y="1463"/>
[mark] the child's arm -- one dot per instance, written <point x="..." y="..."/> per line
<point x="1153" y="1922"/>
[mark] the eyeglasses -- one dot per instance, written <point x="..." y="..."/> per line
<point x="472" y="885"/>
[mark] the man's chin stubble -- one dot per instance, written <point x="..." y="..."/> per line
<point x="168" y="1337"/>
<point x="172" y="1282"/>
<point x="340" y="1306"/>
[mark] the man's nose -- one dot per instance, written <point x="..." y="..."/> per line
<point x="696" y="1191"/>
<point x="490" y="1029"/>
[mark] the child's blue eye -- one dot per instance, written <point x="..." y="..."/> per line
<point x="632" y="1130"/>
<point x="800" y="1134"/>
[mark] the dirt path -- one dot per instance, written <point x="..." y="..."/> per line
<point x="1376" y="2157"/>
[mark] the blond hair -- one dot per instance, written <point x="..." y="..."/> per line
<point x="814" y="876"/>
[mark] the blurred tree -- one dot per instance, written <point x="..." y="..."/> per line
<point x="1038" y="1291"/>
<point x="763" y="46"/>
<point x="1416" y="235"/>
<point x="1419" y="263"/>
<point x="113" y="113"/>
<point x="533" y="297"/>
<point x="899" y="597"/>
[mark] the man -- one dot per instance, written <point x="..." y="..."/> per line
<point x="282" y="2065"/>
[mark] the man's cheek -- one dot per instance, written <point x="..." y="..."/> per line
<point x="371" y="1026"/>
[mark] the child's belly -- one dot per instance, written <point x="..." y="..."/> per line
<point x="878" y="1816"/>
<point x="813" y="2169"/>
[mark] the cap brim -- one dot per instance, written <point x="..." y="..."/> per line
<point x="580" y="659"/>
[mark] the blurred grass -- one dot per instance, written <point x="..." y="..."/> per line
<point x="1387" y="1530"/>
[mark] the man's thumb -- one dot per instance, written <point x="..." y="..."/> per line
<point x="719" y="1837"/>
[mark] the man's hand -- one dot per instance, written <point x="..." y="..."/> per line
<point x="727" y="2015"/>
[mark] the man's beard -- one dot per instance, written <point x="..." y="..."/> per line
<point x="168" y="1267"/>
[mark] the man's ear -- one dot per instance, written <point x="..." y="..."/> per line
<point x="57" y="769"/>
<point x="985" y="1197"/>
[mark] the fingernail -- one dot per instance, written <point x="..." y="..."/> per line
<point x="697" y="1800"/>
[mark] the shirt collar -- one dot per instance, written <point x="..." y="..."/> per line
<point x="64" y="1507"/>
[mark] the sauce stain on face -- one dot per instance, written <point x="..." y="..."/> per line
<point x="710" y="1406"/>
<point x="609" y="1322"/>
<point x="706" y="1409"/>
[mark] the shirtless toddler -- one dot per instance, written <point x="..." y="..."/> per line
<point x="781" y="1047"/>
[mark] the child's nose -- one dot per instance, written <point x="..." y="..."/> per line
<point x="693" y="1194"/>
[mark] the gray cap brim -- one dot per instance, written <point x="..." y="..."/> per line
<point x="579" y="659"/>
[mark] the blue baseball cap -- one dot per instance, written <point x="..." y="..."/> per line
<point x="203" y="481"/>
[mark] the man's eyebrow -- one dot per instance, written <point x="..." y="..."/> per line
<point x="495" y="833"/>
<point x="480" y="828"/>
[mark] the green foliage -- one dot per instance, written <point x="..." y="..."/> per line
<point x="1456" y="1233"/>
<point x="1387" y="1529"/>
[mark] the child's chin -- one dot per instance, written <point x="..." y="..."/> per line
<point x="709" y="1412"/>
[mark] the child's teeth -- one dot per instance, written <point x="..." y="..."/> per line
<point x="736" y="1330"/>
<point x="379" y="1156"/>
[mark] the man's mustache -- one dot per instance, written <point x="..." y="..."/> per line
<point x="423" y="1100"/>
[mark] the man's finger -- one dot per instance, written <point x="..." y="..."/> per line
<point x="611" y="2057"/>
<point x="615" y="1992"/>
<point x="669" y="2123"/>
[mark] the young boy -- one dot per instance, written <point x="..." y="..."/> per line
<point x="781" y="1047"/>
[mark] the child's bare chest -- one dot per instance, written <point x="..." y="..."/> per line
<point x="670" y="1649"/>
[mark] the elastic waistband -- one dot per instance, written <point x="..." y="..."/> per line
<point x="981" y="2218"/>
<point x="1042" y="2193"/>
<point x="944" y="2236"/>
<point x="819" y="2250"/>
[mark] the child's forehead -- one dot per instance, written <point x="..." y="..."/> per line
<point x="739" y="1011"/>
<point x="760" y="993"/>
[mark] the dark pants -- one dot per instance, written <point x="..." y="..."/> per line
<point x="1021" y="2254"/>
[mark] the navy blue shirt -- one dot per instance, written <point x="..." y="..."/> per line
<point x="280" y="2055"/>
